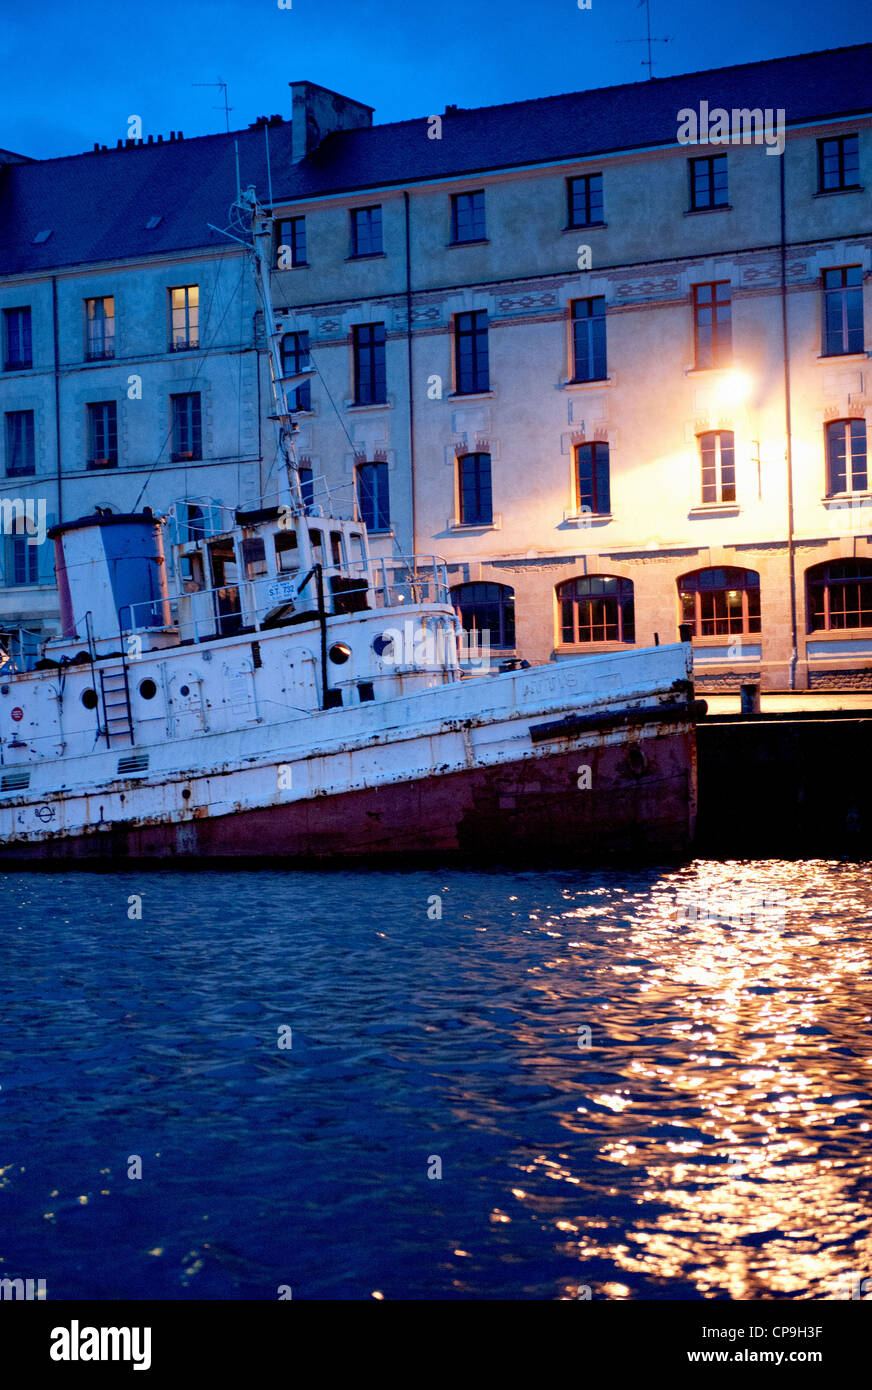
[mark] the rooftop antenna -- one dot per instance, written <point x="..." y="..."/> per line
<point x="225" y="108"/>
<point x="649" y="61"/>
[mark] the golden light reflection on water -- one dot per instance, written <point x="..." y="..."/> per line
<point x="726" y="1088"/>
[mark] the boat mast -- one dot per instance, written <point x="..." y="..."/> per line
<point x="262" y="236"/>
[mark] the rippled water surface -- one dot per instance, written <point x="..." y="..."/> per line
<point x="708" y="1137"/>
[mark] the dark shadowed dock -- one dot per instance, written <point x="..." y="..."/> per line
<point x="794" y="780"/>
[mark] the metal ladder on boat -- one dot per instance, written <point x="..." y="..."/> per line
<point x="115" y="691"/>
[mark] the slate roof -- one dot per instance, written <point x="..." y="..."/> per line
<point x="97" y="204"/>
<point x="635" y="115"/>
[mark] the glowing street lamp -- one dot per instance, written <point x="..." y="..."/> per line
<point x="733" y="387"/>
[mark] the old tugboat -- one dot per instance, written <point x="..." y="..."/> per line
<point x="288" y="695"/>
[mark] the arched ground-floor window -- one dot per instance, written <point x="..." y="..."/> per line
<point x="720" y="602"/>
<point x="597" y="608"/>
<point x="839" y="595"/>
<point x="487" y="608"/>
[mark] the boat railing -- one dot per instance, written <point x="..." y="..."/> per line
<point x="320" y="499"/>
<point x="400" y="579"/>
<point x="19" y="649"/>
<point x="266" y="600"/>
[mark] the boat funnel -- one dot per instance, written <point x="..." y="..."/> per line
<point x="111" y="566"/>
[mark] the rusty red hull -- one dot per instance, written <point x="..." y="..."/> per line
<point x="638" y="801"/>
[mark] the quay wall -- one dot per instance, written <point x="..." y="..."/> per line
<point x="791" y="785"/>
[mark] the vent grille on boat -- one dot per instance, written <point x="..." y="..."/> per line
<point x="15" y="781"/>
<point x="132" y="762"/>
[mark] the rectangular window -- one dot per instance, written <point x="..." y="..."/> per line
<point x="254" y="557"/>
<point x="592" y="477"/>
<point x="186" y="431"/>
<point x="100" y="328"/>
<point x="712" y="319"/>
<point x="847" y="469"/>
<point x="370" y="374"/>
<point x="184" y="318"/>
<point x="717" y="458"/>
<point x="589" y="339"/>
<point x="20" y="443"/>
<point x="843" y="310"/>
<point x="373" y="497"/>
<point x="585" y="196"/>
<point x="18" y="343"/>
<point x="838" y="163"/>
<point x="291" y="242"/>
<point x="474" y="489"/>
<point x="295" y="359"/>
<point x="366" y="231"/>
<point x="708" y="182"/>
<point x="287" y="552"/>
<point x="307" y="486"/>
<point x="467" y="217"/>
<point x="472" y="368"/>
<point x="22" y="560"/>
<point x="103" y="434"/>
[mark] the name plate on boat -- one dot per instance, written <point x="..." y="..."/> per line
<point x="282" y="591"/>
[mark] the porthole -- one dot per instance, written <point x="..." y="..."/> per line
<point x="184" y="690"/>
<point x="147" y="688"/>
<point x="382" y="643"/>
<point x="339" y="653"/>
<point x="89" y="699"/>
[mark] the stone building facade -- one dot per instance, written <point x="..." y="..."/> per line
<point x="618" y="382"/>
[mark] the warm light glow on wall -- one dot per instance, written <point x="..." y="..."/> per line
<point x="733" y="387"/>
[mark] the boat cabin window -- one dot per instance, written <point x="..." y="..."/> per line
<point x="223" y="558"/>
<point x="254" y="557"/>
<point x="356" y="546"/>
<point x="316" y="540"/>
<point x="194" y="522"/>
<point x="287" y="552"/>
<point x="336" y="546"/>
<point x="225" y="578"/>
<point x="193" y="580"/>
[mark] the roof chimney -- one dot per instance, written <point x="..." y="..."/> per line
<point x="318" y="112"/>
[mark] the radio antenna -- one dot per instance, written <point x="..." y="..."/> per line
<point x="225" y="108"/>
<point x="649" y="61"/>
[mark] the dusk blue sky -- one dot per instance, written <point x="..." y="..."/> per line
<point x="74" y="72"/>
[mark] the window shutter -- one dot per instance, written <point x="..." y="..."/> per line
<point x="45" y="554"/>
